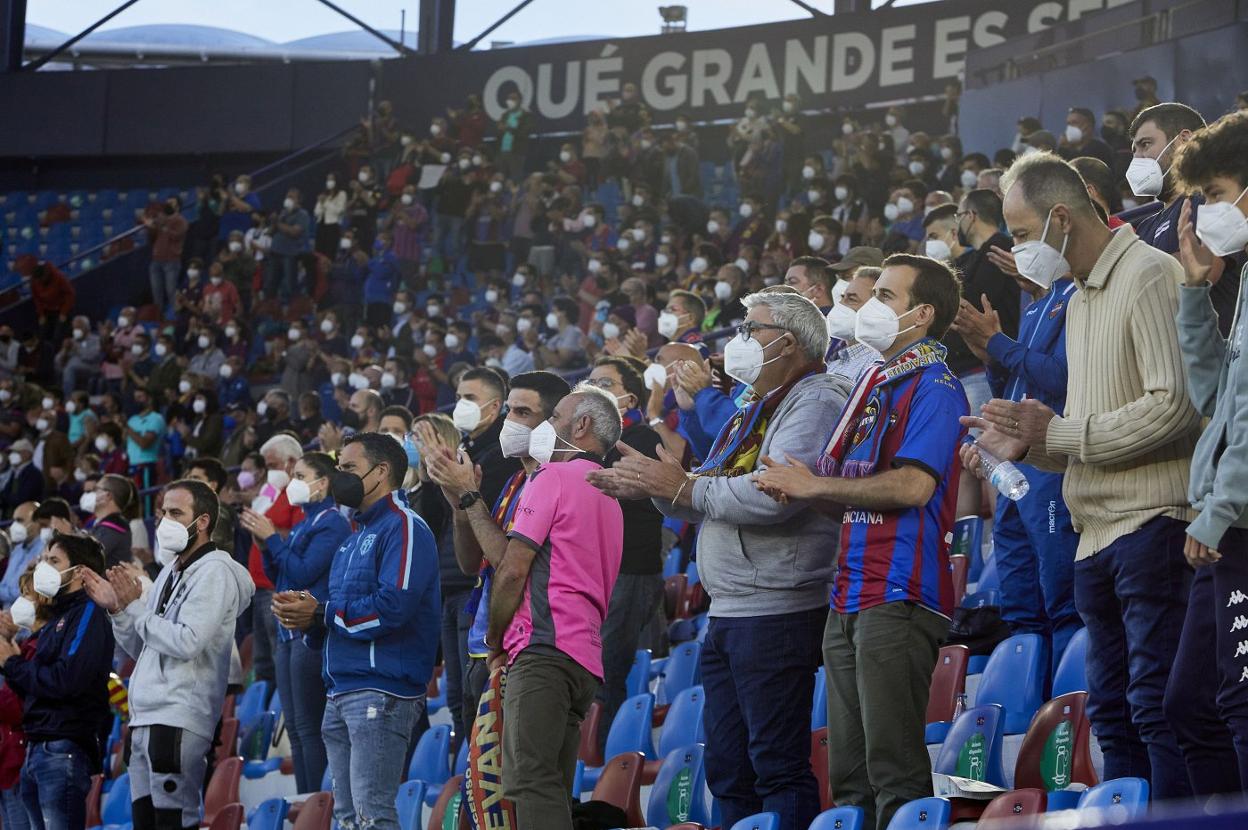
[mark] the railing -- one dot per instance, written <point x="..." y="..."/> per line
<point x="1120" y="29"/>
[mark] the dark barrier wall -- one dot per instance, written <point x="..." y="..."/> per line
<point x="1205" y="71"/>
<point x="841" y="61"/>
<point x="258" y="108"/>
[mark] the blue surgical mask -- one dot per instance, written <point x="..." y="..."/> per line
<point x="413" y="453"/>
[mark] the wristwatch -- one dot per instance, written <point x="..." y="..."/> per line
<point x="469" y="499"/>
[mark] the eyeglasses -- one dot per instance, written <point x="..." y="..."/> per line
<point x="746" y="330"/>
<point x="601" y="383"/>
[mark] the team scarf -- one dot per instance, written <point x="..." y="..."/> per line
<point x="736" y="448"/>
<point x="631" y="418"/>
<point x="918" y="357"/>
<point x="504" y="515"/>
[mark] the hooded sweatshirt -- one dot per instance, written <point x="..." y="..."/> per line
<point x="182" y="637"/>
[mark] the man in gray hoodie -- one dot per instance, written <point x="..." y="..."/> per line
<point x="182" y="638"/>
<point x="766" y="565"/>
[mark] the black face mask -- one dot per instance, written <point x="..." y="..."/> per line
<point x="963" y="239"/>
<point x="1141" y="93"/>
<point x="348" y="488"/>
<point x="169" y="210"/>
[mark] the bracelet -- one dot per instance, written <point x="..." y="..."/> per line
<point x="681" y="488"/>
<point x="654" y="422"/>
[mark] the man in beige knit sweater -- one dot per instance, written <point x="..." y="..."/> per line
<point x="1125" y="443"/>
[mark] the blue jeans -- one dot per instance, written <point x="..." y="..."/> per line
<point x="1207" y="696"/>
<point x="455" y="625"/>
<point x="450" y="232"/>
<point x="55" y="780"/>
<point x="12" y="808"/>
<point x="378" y="725"/>
<point x="164" y="282"/>
<point x="1034" y="545"/>
<point x="302" y="692"/>
<point x="759" y="674"/>
<point x="1132" y="596"/>
<point x="283" y="276"/>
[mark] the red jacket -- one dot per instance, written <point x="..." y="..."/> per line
<point x="54" y="294"/>
<point x="284" y="516"/>
<point x="12" y="739"/>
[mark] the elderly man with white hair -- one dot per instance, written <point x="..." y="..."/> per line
<point x="767" y="565"/>
<point x="548" y="601"/>
<point x="280" y="452"/>
<point x="79" y="356"/>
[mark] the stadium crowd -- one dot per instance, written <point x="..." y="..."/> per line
<point x="785" y="387"/>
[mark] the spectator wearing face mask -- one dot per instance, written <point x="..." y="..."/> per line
<point x="110" y="447"/>
<point x="274" y="412"/>
<point x="824" y="239"/>
<point x="64" y="688"/>
<point x="290" y="241"/>
<point x="106" y="505"/>
<point x="1079" y="138"/>
<point x="27" y="545"/>
<point x="378" y="623"/>
<point x="233" y="388"/>
<point x="182" y="638"/>
<point x="381" y="282"/>
<point x="847" y="357"/>
<point x="564" y="346"/>
<point x="514" y="129"/>
<point x="593" y="147"/>
<point x="80" y="355"/>
<point x="364" y="195"/>
<point x="904" y="214"/>
<point x="222" y="302"/>
<point x="850" y="210"/>
<point x="204" y="432"/>
<point x="942" y="235"/>
<point x="680" y="176"/>
<point x="300" y="361"/>
<point x="208" y="358"/>
<point x="331" y="206"/>
<point x="1157" y="133"/>
<point x="751" y="228"/>
<point x="454" y="196"/>
<point x="408" y="224"/>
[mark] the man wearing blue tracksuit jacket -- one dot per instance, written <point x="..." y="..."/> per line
<point x="379" y="624"/>
<point x="1033" y="539"/>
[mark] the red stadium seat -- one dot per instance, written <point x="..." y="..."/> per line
<point x="819" y="765"/>
<point x="437" y="818"/>
<point x="620" y="784"/>
<point x="317" y="812"/>
<point x="222" y="788"/>
<point x="1026" y="802"/>
<point x="229" y="817"/>
<point x="589" y="750"/>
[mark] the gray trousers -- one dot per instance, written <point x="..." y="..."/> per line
<point x="167" y="766"/>
<point x="879" y="666"/>
<point x="546" y="700"/>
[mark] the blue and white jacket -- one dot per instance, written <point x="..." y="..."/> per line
<point x="384" y="607"/>
<point x="1034" y="365"/>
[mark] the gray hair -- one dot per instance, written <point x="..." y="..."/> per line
<point x="799" y="316"/>
<point x="603" y="413"/>
<point x="1046" y="180"/>
<point x="284" y="446"/>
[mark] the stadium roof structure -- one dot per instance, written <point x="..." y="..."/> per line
<point x="175" y="43"/>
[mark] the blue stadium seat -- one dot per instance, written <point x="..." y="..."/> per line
<point x="691" y="571"/>
<point x="254" y="743"/>
<point x="922" y="814"/>
<point x="671" y="564"/>
<point x="438" y="701"/>
<point x="270" y="815"/>
<point x="630" y="732"/>
<point x="638" y="680"/>
<point x="115" y="808"/>
<point x="431" y="762"/>
<point x="677" y="794"/>
<point x="1014" y="679"/>
<point x="1072" y="672"/>
<point x="409" y="802"/>
<point x="683" y="725"/>
<point x="972" y="749"/>
<point x="980" y="599"/>
<point x="681" y="671"/>
<point x="759" y="821"/>
<point x="819" y="705"/>
<point x="252" y="703"/>
<point x="839" y="818"/>
<point x="1115" y="802"/>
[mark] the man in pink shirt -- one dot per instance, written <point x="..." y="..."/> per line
<point x="548" y="601"/>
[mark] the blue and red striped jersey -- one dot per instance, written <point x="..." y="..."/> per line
<point x="903" y="555"/>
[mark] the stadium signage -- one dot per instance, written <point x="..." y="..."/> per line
<point x="836" y="61"/>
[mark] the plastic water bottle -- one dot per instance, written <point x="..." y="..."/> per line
<point x="1007" y="478"/>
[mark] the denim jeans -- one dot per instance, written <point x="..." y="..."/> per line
<point x="302" y="692"/>
<point x="1207" y="696"/>
<point x="450" y="233"/>
<point x="758" y="673"/>
<point x="55" y="780"/>
<point x="455" y="625"/>
<point x="12" y="810"/>
<point x="164" y="282"/>
<point x="365" y="732"/>
<point x="1132" y="596"/>
<point x="634" y="601"/>
<point x="264" y="635"/>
